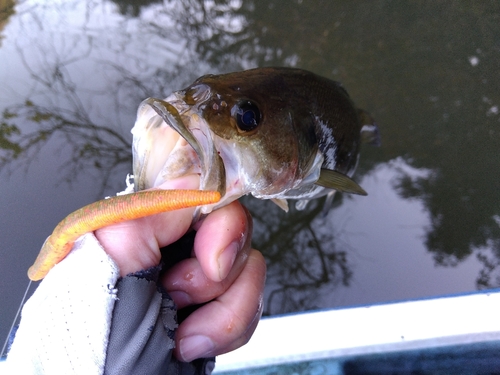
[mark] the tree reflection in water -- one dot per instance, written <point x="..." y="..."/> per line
<point x="304" y="256"/>
<point x="91" y="146"/>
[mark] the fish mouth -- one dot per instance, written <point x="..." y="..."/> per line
<point x="172" y="140"/>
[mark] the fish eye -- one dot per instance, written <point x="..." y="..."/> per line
<point x="247" y="115"/>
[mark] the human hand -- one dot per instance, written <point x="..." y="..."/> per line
<point x="226" y="272"/>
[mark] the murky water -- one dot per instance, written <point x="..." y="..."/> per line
<point x="72" y="74"/>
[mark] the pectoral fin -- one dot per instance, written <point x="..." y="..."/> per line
<point x="338" y="181"/>
<point x="369" y="131"/>
<point x="281" y="203"/>
<point x="328" y="203"/>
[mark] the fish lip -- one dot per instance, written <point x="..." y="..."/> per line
<point x="172" y="110"/>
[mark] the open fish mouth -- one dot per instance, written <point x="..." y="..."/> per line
<point x="172" y="140"/>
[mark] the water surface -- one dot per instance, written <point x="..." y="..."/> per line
<point x="74" y="72"/>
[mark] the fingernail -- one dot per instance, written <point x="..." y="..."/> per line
<point x="197" y="346"/>
<point x="226" y="259"/>
<point x="180" y="298"/>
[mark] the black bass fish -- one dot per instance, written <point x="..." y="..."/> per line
<point x="275" y="133"/>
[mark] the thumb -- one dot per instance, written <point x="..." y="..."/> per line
<point x="135" y="245"/>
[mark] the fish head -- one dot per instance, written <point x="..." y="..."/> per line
<point x="245" y="132"/>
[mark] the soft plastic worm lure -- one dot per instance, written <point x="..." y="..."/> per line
<point x="111" y="211"/>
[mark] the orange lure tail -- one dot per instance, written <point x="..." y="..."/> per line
<point x="111" y="211"/>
